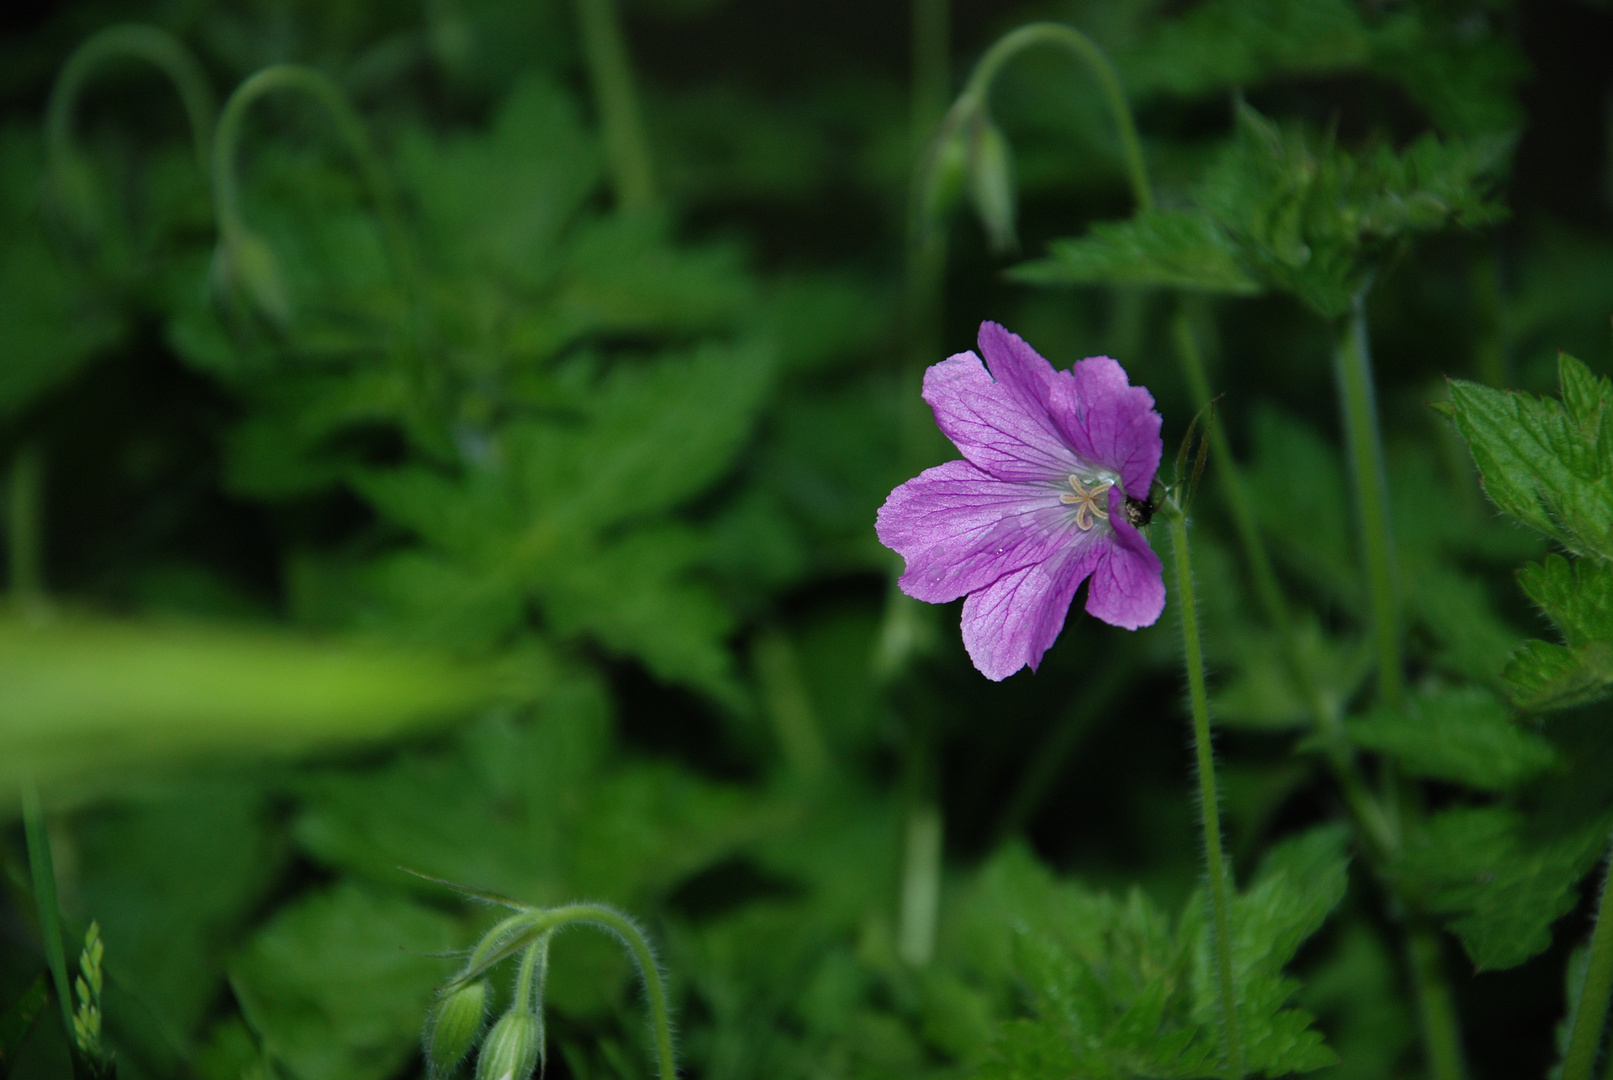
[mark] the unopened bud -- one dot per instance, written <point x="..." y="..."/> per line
<point x="454" y="1025"/>
<point x="512" y="1049"/>
<point x="991" y="182"/>
<point x="946" y="170"/>
<point x="248" y="265"/>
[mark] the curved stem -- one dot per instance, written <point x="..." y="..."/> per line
<point x="619" y="116"/>
<point x="1353" y="363"/>
<point x="1590" y="1016"/>
<point x="1442" y="1038"/>
<point x="304" y="80"/>
<point x="1209" y="804"/>
<point x="157" y="47"/>
<point x="529" y="979"/>
<point x="1087" y="51"/>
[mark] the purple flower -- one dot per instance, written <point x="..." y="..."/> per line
<point x="1055" y="479"/>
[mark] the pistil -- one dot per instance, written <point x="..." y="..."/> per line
<point x="1090" y="503"/>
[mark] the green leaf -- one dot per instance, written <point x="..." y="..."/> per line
<point x="1577" y="596"/>
<point x="88" y="700"/>
<point x="1544" y="677"/>
<point x="1176" y="249"/>
<point x="337" y="983"/>
<point x="1462" y="735"/>
<point x="18" y="1019"/>
<point x="1499" y="883"/>
<point x="1548" y="464"/>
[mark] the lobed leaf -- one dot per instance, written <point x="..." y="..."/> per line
<point x="1463" y="735"/>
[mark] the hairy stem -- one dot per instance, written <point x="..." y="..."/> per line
<point x="1087" y="51"/>
<point x="617" y="100"/>
<point x="156" y="47"/>
<point x="1353" y="365"/>
<point x="1442" y="1037"/>
<point x="1209" y="805"/>
<point x="43" y="870"/>
<point x="1590" y="1017"/>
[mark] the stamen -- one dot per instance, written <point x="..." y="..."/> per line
<point x="1089" y="503"/>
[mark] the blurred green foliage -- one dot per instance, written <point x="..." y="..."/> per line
<point x="424" y="510"/>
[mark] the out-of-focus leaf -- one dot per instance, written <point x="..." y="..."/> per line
<point x="1548" y="464"/>
<point x="1499" y="884"/>
<point x="1462" y="735"/>
<point x="18" y="1019"/>
<point x="89" y="699"/>
<point x="1544" y="676"/>
<point x="1175" y="249"/>
<point x="1577" y="596"/>
<point x="336" y="984"/>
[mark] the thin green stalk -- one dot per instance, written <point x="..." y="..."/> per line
<point x="605" y="51"/>
<point x="1209" y="804"/>
<point x="1442" y="1040"/>
<point x="795" y="723"/>
<point x="156" y="47"/>
<point x="1589" y="1019"/>
<point x="921" y="883"/>
<point x="1353" y="365"/>
<point x="1087" y="51"/>
<point x="43" y="870"/>
<point x="25" y="510"/>
<point x="349" y="126"/>
<point x="529" y="978"/>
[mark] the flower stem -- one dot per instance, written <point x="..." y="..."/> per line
<point x="619" y="118"/>
<point x="921" y="883"/>
<point x="1590" y="1017"/>
<point x="1087" y="51"/>
<point x="1353" y="364"/>
<point x="43" y="870"/>
<point x="1209" y="806"/>
<point x="1442" y="1038"/>
<point x="156" y="47"/>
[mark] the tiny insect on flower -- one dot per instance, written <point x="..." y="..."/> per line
<point x="1051" y="492"/>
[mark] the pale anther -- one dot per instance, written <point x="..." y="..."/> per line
<point x="1089" y="501"/>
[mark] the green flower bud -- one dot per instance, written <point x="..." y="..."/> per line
<point x="512" y="1049"/>
<point x="945" y="172"/>
<point x="248" y="265"/>
<point x="991" y="183"/>
<point x="454" y="1025"/>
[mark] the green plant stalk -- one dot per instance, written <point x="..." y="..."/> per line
<point x="1585" y="1026"/>
<point x="1209" y="804"/>
<point x="1353" y="367"/>
<point x="25" y="504"/>
<point x="157" y="47"/>
<point x="43" y="871"/>
<point x="530" y="977"/>
<point x="532" y="926"/>
<point x="620" y="120"/>
<point x="1375" y="825"/>
<point x="921" y="883"/>
<point x="1442" y="1042"/>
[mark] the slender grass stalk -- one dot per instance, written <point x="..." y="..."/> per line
<point x="620" y="121"/>
<point x="1209" y="805"/>
<point x="25" y="510"/>
<point x="921" y="883"/>
<point x="156" y="47"/>
<point x="1589" y="1019"/>
<point x="1353" y="366"/>
<point x="43" y="870"/>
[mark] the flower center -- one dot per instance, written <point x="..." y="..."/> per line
<point x="1089" y="502"/>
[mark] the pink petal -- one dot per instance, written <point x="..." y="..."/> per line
<point x="1000" y="424"/>
<point x="1012" y="622"/>
<point x="1128" y="582"/>
<point x="960" y="529"/>
<point x="1111" y="422"/>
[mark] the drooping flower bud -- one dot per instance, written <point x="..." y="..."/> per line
<point x="246" y="264"/>
<point x="945" y="171"/>
<point x="991" y="182"/>
<point x="513" y="1048"/>
<point x="454" y="1025"/>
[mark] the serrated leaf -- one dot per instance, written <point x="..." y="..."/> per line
<point x="1545" y="677"/>
<point x="336" y="983"/>
<point x="1463" y="735"/>
<point x="1577" y="596"/>
<point x="1177" y="249"/>
<point x="1499" y="885"/>
<point x="1547" y="465"/>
